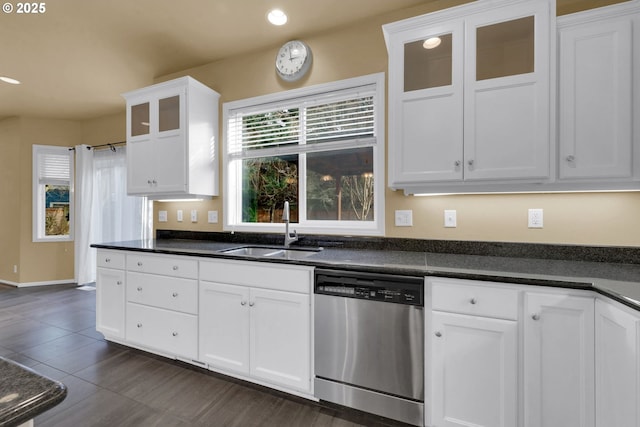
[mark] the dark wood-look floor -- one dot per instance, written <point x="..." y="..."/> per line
<point x="52" y="330"/>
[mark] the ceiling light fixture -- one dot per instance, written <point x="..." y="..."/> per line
<point x="9" y="80"/>
<point x="431" y="42"/>
<point x="277" y="17"/>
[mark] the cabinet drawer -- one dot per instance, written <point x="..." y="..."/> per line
<point x="111" y="259"/>
<point x="162" y="291"/>
<point x="164" y="330"/>
<point x="258" y="275"/>
<point x="165" y="265"/>
<point x="479" y="299"/>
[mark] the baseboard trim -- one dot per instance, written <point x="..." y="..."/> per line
<point x="43" y="283"/>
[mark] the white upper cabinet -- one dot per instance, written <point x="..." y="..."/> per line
<point x="172" y="129"/>
<point x="598" y="96"/>
<point x="470" y="97"/>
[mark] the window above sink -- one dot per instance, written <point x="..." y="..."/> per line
<point x="321" y="148"/>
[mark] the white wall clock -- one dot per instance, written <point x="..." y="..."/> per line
<point x="293" y="60"/>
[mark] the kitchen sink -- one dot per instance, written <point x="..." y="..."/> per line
<point x="273" y="252"/>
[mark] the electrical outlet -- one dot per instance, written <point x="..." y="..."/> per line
<point x="162" y="216"/>
<point x="194" y="215"/>
<point x="536" y="218"/>
<point x="404" y="218"/>
<point x="212" y="217"/>
<point x="450" y="219"/>
<point x="179" y="215"/>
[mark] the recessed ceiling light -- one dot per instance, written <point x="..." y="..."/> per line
<point x="10" y="80"/>
<point x="431" y="42"/>
<point x="277" y="17"/>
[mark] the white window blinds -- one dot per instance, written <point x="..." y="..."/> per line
<point x="54" y="166"/>
<point x="342" y="116"/>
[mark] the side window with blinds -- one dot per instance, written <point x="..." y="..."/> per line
<point x="52" y="193"/>
<point x="321" y="152"/>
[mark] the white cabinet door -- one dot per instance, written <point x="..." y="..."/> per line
<point x="617" y="367"/>
<point x="474" y="371"/>
<point x="224" y="326"/>
<point x="281" y="338"/>
<point x="110" y="302"/>
<point x="427" y="113"/>
<point x="559" y="361"/>
<point x="595" y="91"/>
<point x="157" y="159"/>
<point x="507" y="93"/>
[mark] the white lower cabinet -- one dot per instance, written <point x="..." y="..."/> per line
<point x="474" y="371"/>
<point x="110" y="294"/>
<point x="510" y="355"/>
<point x="617" y="366"/>
<point x="255" y="321"/>
<point x="558" y="359"/>
<point x="162" y="308"/>
<point x="473" y="356"/>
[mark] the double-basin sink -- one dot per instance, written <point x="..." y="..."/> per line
<point x="276" y="252"/>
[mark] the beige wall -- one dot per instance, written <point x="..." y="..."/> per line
<point x="578" y="218"/>
<point x="9" y="194"/>
<point x="35" y="262"/>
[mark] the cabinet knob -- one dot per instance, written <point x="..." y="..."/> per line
<point x="175" y="267"/>
<point x="473" y="301"/>
<point x="571" y="158"/>
<point x="251" y="304"/>
<point x="457" y="163"/>
<point x="470" y="162"/>
<point x="243" y="303"/>
<point x="175" y="334"/>
<point x="107" y="260"/>
<point x="139" y="263"/>
<point x="139" y="288"/>
<point x="438" y="334"/>
<point x="119" y="282"/>
<point x="149" y="181"/>
<point x="535" y="316"/>
<point x="154" y="182"/>
<point x="175" y="294"/>
<point x="139" y="325"/>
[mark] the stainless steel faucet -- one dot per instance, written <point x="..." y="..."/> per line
<point x="288" y="238"/>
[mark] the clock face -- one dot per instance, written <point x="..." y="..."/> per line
<point x="293" y="60"/>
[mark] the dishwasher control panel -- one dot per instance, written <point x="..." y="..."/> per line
<point x="375" y="287"/>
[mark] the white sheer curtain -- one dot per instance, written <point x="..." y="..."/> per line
<point x="111" y="215"/>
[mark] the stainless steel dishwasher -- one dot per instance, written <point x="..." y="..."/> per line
<point x="369" y="342"/>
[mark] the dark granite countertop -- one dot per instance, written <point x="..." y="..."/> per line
<point x="616" y="280"/>
<point x="24" y="393"/>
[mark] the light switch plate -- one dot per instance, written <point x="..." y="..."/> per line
<point x="179" y="215"/>
<point x="404" y="218"/>
<point x="450" y="219"/>
<point x="212" y="217"/>
<point x="162" y="216"/>
<point x="194" y="215"/>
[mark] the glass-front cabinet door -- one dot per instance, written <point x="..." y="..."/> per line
<point x="429" y="108"/>
<point x="507" y="75"/>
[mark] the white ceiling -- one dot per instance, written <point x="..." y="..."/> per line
<point x="76" y="59"/>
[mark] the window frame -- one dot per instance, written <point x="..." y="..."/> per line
<point x="38" y="208"/>
<point x="231" y="169"/>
